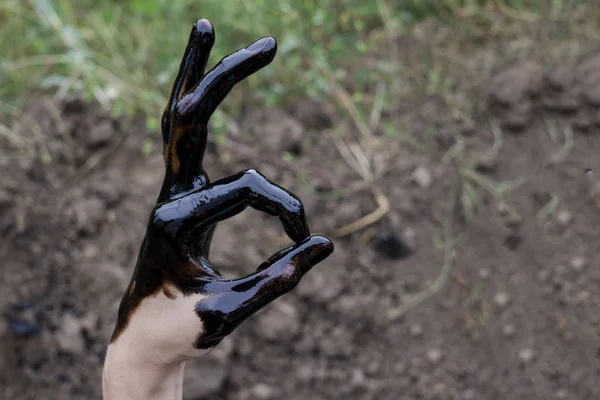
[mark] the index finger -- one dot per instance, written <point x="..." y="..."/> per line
<point x="198" y="106"/>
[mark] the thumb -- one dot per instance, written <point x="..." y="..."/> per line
<point x="303" y="256"/>
<point x="231" y="302"/>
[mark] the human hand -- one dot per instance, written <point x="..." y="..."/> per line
<point x="177" y="304"/>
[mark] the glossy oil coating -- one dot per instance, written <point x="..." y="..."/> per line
<point x="176" y="247"/>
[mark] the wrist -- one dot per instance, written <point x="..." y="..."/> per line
<point x="145" y="360"/>
<point x="131" y="375"/>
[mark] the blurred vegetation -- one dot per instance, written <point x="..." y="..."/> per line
<point x="369" y="60"/>
<point x="125" y="54"/>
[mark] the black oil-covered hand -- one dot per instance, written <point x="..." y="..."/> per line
<point x="173" y="260"/>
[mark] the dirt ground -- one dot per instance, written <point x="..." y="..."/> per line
<point x="516" y="319"/>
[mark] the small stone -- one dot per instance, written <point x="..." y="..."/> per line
<point x="578" y="263"/>
<point x="375" y="366"/>
<point x="468" y="127"/>
<point x="365" y="259"/>
<point x="448" y="304"/>
<point x="245" y="346"/>
<point x="24" y="323"/>
<point x="35" y="248"/>
<point x="501" y="299"/>
<point x="526" y="355"/>
<point x="510" y="217"/>
<point x="90" y="250"/>
<point x="439" y="387"/>
<point x="203" y="379"/>
<point x="411" y="283"/>
<point x="391" y="246"/>
<point x="69" y="336"/>
<point x="416" y="330"/>
<point x="560" y="78"/>
<point x="564" y="217"/>
<point x="543" y="275"/>
<point x="327" y="284"/>
<point x="592" y="95"/>
<point x="279" y="322"/>
<point x="263" y="391"/>
<point x="595" y="195"/>
<point x="468" y="394"/>
<point x="584" y="122"/>
<point x="582" y="296"/>
<point x="513" y="220"/>
<point x="311" y="114"/>
<point x="110" y="187"/>
<point x="519" y="117"/>
<point x="304" y="372"/>
<point x="513" y="241"/>
<point x="276" y="129"/>
<point x="508" y="330"/>
<point x="513" y="86"/>
<point x="5" y="199"/>
<point x="566" y="102"/>
<point x="346" y="212"/>
<point x="358" y="377"/>
<point x="561" y="394"/>
<point x="224" y="350"/>
<point x="422" y="177"/>
<point x="560" y="269"/>
<point x="89" y="214"/>
<point x="486" y="165"/>
<point x="484" y="273"/>
<point x="336" y="344"/>
<point x="100" y="134"/>
<point x="111" y="216"/>
<point x="410" y="237"/>
<point x="399" y="368"/>
<point x="434" y="355"/>
<point x="416" y="364"/>
<point x="113" y="274"/>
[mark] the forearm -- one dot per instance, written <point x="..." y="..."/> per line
<point x="128" y="378"/>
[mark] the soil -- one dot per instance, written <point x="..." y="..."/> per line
<point x="516" y="319"/>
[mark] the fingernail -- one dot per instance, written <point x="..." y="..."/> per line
<point x="320" y="250"/>
<point x="204" y="26"/>
<point x="261" y="44"/>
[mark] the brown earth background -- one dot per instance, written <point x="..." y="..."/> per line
<point x="481" y="280"/>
